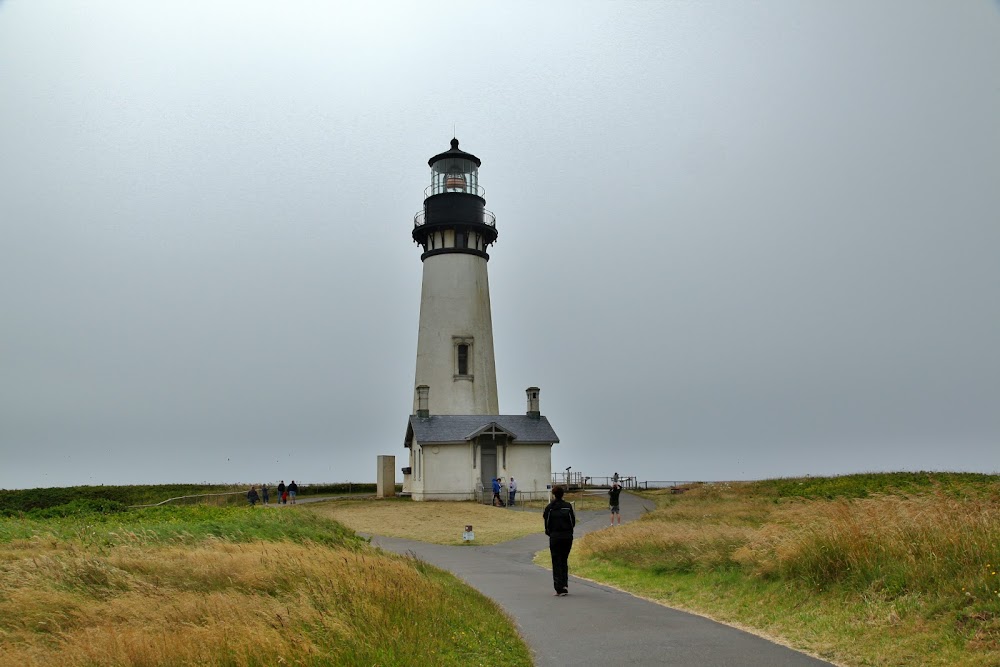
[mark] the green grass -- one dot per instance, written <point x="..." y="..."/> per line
<point x="15" y="502"/>
<point x="894" y="569"/>
<point x="865" y="485"/>
<point x="179" y="525"/>
<point x="229" y="586"/>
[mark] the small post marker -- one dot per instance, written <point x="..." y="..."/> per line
<point x="468" y="535"/>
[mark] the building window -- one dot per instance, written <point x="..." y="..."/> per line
<point x="463" y="357"/>
<point x="461" y="239"/>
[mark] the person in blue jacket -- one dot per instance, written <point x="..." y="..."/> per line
<point x="497" y="500"/>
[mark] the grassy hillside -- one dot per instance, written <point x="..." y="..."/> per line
<point x="897" y="569"/>
<point x="13" y="502"/>
<point x="228" y="586"/>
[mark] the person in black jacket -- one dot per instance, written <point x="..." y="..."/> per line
<point x="559" y="523"/>
<point x="252" y="496"/>
<point x="614" y="494"/>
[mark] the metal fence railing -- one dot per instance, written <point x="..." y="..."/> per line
<point x="581" y="481"/>
<point x="485" y="496"/>
<point x="480" y="494"/>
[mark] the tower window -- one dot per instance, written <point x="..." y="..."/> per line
<point x="463" y="346"/>
<point x="461" y="239"/>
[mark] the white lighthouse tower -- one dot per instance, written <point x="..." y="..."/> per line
<point x="455" y="362"/>
<point x="457" y="439"/>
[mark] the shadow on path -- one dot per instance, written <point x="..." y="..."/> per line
<point x="594" y="625"/>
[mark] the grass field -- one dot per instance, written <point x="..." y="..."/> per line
<point x="436" y="522"/>
<point x="443" y="522"/>
<point x="229" y="586"/>
<point x="864" y="569"/>
<point x="897" y="569"/>
<point x="102" y="498"/>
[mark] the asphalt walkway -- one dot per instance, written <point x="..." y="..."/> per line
<point x="594" y="624"/>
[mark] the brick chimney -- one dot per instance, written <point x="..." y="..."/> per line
<point x="533" y="410"/>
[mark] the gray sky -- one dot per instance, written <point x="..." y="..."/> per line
<point x="737" y="240"/>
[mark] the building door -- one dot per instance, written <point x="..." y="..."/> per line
<point x="488" y="461"/>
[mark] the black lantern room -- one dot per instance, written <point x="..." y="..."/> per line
<point x="454" y="219"/>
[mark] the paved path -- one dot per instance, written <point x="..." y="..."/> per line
<point x="594" y="624"/>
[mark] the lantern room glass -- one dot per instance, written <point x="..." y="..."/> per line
<point x="454" y="175"/>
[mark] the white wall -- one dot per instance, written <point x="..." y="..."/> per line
<point x="531" y="466"/>
<point x="449" y="469"/>
<point x="455" y="301"/>
<point x="447" y="474"/>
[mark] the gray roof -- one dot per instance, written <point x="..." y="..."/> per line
<point x="461" y="428"/>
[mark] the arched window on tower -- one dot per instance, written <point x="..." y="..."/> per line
<point x="463" y="346"/>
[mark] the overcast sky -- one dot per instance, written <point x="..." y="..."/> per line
<point x="736" y="240"/>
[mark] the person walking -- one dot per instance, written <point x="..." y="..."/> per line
<point x="282" y="493"/>
<point x="252" y="496"/>
<point x="615" y="493"/>
<point x="264" y="493"/>
<point x="511" y="490"/>
<point x="293" y="490"/>
<point x="559" y="521"/>
<point x="497" y="502"/>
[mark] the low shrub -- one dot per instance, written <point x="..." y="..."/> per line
<point x="79" y="507"/>
<point x="13" y="502"/>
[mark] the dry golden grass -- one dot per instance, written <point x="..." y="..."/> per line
<point x="213" y="604"/>
<point x="431" y="521"/>
<point x="918" y="543"/>
<point x="882" y="580"/>
<point x="702" y="545"/>
<point x="219" y="603"/>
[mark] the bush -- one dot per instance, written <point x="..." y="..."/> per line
<point x="78" y="507"/>
<point x="13" y="502"/>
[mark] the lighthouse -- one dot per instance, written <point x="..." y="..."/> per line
<point x="457" y="439"/>
<point x="455" y="337"/>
